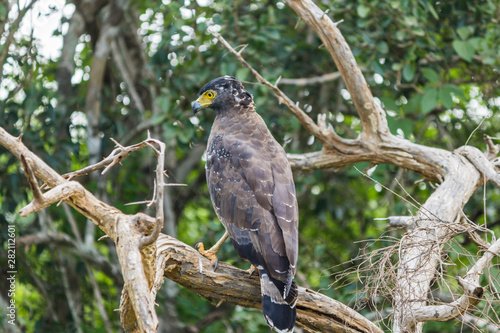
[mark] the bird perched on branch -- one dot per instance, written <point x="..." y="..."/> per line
<point x="252" y="190"/>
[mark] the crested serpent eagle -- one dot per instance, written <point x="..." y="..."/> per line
<point x="252" y="190"/>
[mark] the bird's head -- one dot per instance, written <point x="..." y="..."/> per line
<point x="222" y="94"/>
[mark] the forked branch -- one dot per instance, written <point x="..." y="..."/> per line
<point x="144" y="270"/>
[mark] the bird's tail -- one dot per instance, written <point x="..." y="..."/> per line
<point x="278" y="303"/>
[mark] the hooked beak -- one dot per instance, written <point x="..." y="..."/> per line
<point x="202" y="102"/>
<point x="196" y="107"/>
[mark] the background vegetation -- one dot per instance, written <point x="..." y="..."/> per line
<point x="433" y="65"/>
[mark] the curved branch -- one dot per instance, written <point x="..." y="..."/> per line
<point x="126" y="231"/>
<point x="143" y="274"/>
<point x="371" y="146"/>
<point x="373" y="120"/>
<point x="184" y="265"/>
<point x="304" y="119"/>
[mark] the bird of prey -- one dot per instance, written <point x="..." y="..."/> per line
<point x="252" y="190"/>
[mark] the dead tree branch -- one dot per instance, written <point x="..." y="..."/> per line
<point x="473" y="292"/>
<point x="374" y="122"/>
<point x="131" y="229"/>
<point x="144" y="270"/>
<point x="311" y="80"/>
<point x="186" y="266"/>
<point x="420" y="248"/>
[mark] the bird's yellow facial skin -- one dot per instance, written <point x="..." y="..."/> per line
<point x="207" y="98"/>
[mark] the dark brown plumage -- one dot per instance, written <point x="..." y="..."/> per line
<point x="253" y="194"/>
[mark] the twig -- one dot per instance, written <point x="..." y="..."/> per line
<point x="311" y="80"/>
<point x="492" y="149"/>
<point x="159" y="194"/>
<point x="42" y="200"/>
<point x="136" y="284"/>
<point x="304" y="119"/>
<point x="477" y="127"/>
<point x="473" y="293"/>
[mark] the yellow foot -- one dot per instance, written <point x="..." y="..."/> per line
<point x="210" y="254"/>
<point x="251" y="270"/>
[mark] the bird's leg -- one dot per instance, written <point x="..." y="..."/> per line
<point x="212" y="252"/>
<point x="251" y="270"/>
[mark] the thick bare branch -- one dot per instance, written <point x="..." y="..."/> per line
<point x="127" y="234"/>
<point x="186" y="266"/>
<point x="101" y="213"/>
<point x="136" y="281"/>
<point x="143" y="274"/>
<point x="58" y="193"/>
<point x="421" y="247"/>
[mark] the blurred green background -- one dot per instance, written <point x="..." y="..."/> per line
<point x="432" y="65"/>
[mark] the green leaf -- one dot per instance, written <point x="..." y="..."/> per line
<point x="382" y="47"/>
<point x="401" y="35"/>
<point x="377" y="68"/>
<point x="363" y="11"/>
<point x="417" y="31"/>
<point x="413" y="104"/>
<point x="445" y="97"/>
<point x="464" y="49"/>
<point x="186" y="135"/>
<point x="454" y="90"/>
<point x="409" y="72"/>
<point x="430" y="74"/>
<point x="405" y="124"/>
<point x="396" y="66"/>
<point x="463" y="32"/>
<point x="429" y="100"/>
<point x="432" y="10"/>
<point x="163" y="103"/>
<point x="389" y="103"/>
<point x="476" y="42"/>
<point x="410" y="20"/>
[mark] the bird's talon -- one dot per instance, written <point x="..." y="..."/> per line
<point x="209" y="254"/>
<point x="251" y="270"/>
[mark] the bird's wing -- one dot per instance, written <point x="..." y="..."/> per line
<point x="252" y="191"/>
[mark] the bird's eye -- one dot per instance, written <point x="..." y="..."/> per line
<point x="210" y="94"/>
